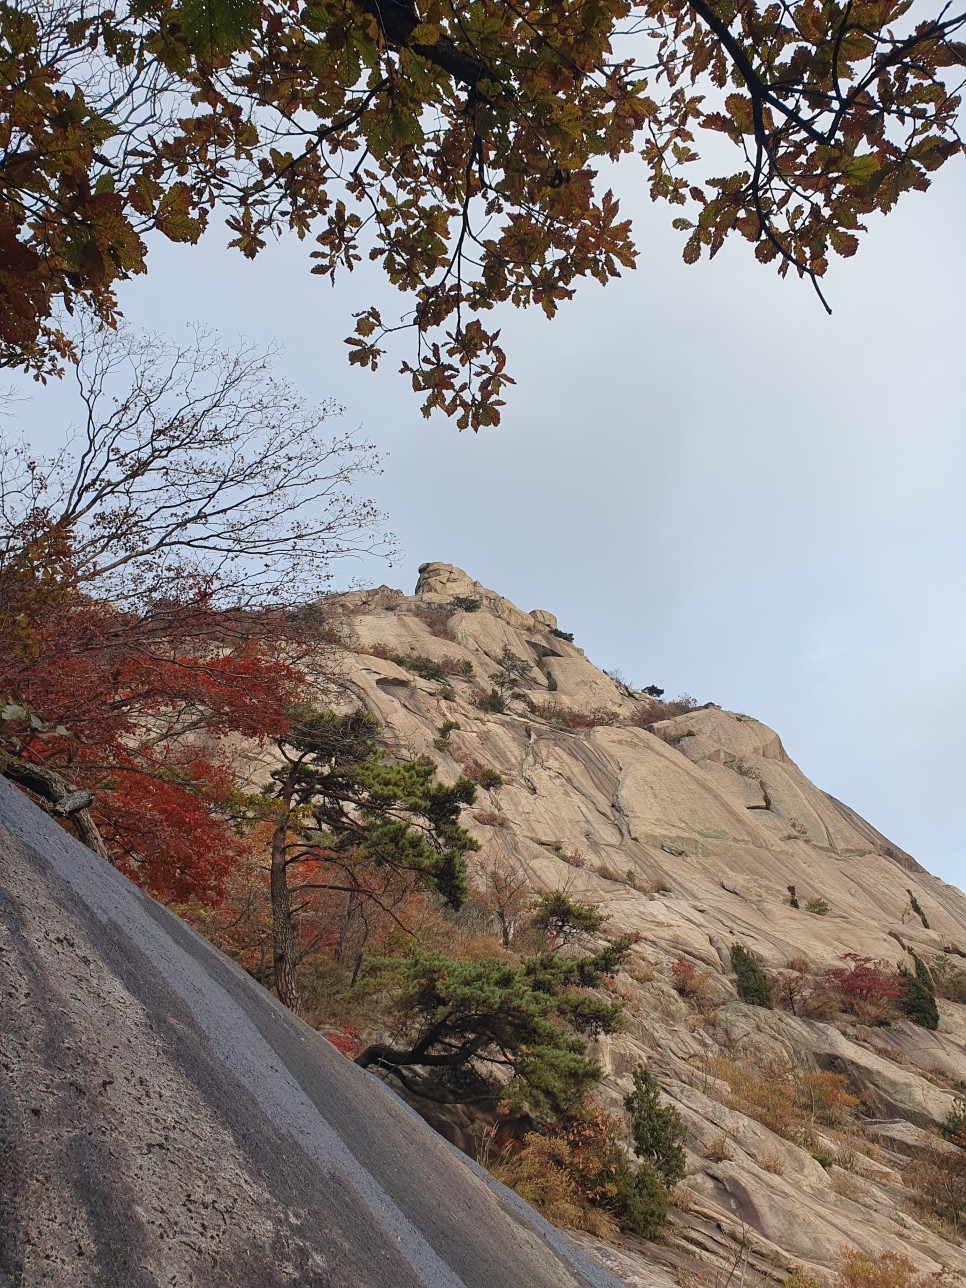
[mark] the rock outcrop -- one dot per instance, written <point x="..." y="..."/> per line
<point x="689" y="833"/>
<point x="163" y="1121"/>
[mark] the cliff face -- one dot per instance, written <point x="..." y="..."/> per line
<point x="689" y="834"/>
<point x="163" y="1121"/>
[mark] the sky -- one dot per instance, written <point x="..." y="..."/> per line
<point x="716" y="487"/>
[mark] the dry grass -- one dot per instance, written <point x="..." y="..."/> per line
<point x="537" y="1173"/>
<point x="789" y="1106"/>
<point x="718" y="1150"/>
<point x="888" y="1270"/>
<point x="491" y="818"/>
<point x="847" y="1186"/>
<point x="773" y="1163"/>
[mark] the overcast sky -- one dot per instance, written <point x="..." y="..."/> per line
<point x="716" y="487"/>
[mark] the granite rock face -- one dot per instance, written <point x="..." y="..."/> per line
<point x="689" y="833"/>
<point x="163" y="1121"/>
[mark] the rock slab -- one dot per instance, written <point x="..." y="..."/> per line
<point x="163" y="1121"/>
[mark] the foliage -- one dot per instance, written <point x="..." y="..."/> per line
<point x="443" y="733"/>
<point x="562" y="919"/>
<point x="138" y="709"/>
<point x="751" y="981"/>
<point x="317" y="121"/>
<point x="527" y="1019"/>
<point x="817" y="906"/>
<point x="824" y="1098"/>
<point x="492" y="702"/>
<point x="348" y="819"/>
<point x="919" y="998"/>
<point x="136" y="566"/>
<point x="506" y="896"/>
<point x="657" y="1131"/>
<point x="483" y="775"/>
<point x="865" y="988"/>
<point x="566" y="636"/>
<point x="937" y="1181"/>
<point x="887" y="1270"/>
<point x="800" y="1278"/>
<point x="435" y="617"/>
<point x="917" y="909"/>
<point x="789" y="1105"/>
<point x="644" y="717"/>
<point x="541" y="1173"/>
<point x="428" y="668"/>
<point x="948" y="978"/>
<point x="954" y="1124"/>
<point x="571" y="719"/>
<point x="793" y="897"/>
<point x="511" y="672"/>
<point x="689" y="981"/>
<point x="466" y="604"/>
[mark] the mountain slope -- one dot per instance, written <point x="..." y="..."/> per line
<point x="690" y="833"/>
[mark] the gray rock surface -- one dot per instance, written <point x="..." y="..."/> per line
<point x="163" y="1121"/>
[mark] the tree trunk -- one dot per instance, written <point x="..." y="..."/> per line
<point x="65" y="801"/>
<point x="283" y="935"/>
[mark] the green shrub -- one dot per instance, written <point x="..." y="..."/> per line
<point x="430" y="669"/>
<point x="914" y="905"/>
<point x="824" y="1160"/>
<point x="818" y="906"/>
<point x="793" y="897"/>
<point x="443" y="733"/>
<point x="919" y="1001"/>
<point x="751" y="981"/>
<point x="492" y="702"/>
<point x="466" y="603"/>
<point x="640" y="1201"/>
<point x="657" y="1131"/>
<point x="563" y="635"/>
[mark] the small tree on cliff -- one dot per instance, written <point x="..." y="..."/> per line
<point x="527" y="1019"/>
<point x="750" y="980"/>
<point x="919" y="998"/>
<point x="351" y="821"/>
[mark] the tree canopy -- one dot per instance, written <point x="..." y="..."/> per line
<point x="522" y="1018"/>
<point x="462" y="145"/>
<point x="352" y="820"/>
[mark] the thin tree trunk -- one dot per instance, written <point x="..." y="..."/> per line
<point x="283" y="935"/>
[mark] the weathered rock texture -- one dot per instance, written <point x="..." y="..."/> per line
<point x="689" y="835"/>
<point x="163" y="1121"/>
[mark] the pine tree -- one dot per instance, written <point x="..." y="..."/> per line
<point x="919" y="1003"/>
<point x="345" y="812"/>
<point x="751" y="982"/>
<point x="657" y="1130"/>
<point x="530" y="1019"/>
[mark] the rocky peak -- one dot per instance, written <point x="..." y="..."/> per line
<point x="444" y="581"/>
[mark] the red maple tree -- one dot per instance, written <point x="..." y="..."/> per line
<point x="139" y="709"/>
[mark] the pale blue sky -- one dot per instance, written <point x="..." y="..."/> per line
<point x="717" y="488"/>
